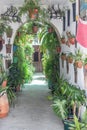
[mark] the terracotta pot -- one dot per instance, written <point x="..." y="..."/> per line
<point x="36" y="11"/>
<point x="72" y="40"/>
<point x="63" y="40"/>
<point x="4" y="105"/>
<point x="18" y="34"/>
<point x="63" y="57"/>
<point x="50" y="29"/>
<point x="85" y="66"/>
<point x="7" y="63"/>
<point x="35" y="29"/>
<point x="4" y="83"/>
<point x="58" y="49"/>
<point x="33" y="14"/>
<point x="69" y="59"/>
<point x="78" y="64"/>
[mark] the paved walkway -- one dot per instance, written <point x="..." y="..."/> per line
<point x="32" y="109"/>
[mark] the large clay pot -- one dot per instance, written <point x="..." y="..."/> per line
<point x="4" y="83"/>
<point x="4" y="104"/>
<point x="33" y="14"/>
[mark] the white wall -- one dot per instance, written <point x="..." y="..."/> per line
<point x="70" y="76"/>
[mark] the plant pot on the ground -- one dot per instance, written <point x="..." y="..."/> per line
<point x="4" y="104"/>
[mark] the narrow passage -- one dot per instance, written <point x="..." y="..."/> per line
<point x="32" y="110"/>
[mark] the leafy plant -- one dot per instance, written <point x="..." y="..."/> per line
<point x="59" y="106"/>
<point x="29" y="4"/>
<point x="48" y="41"/>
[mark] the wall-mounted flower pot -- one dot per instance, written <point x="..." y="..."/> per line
<point x="34" y="28"/>
<point x="2" y="41"/>
<point x="63" y="40"/>
<point x="4" y="105"/>
<point x="58" y="49"/>
<point x="72" y="40"/>
<point x="50" y="29"/>
<point x="69" y="59"/>
<point x="7" y="63"/>
<point x="63" y="57"/>
<point x="8" y="48"/>
<point x="78" y="64"/>
<point x="33" y="14"/>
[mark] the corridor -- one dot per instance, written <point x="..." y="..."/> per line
<point x="32" y="109"/>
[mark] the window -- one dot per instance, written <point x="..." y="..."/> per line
<point x="68" y="17"/>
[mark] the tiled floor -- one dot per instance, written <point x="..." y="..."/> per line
<point x="32" y="109"/>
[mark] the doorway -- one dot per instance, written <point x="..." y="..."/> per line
<point x="37" y="58"/>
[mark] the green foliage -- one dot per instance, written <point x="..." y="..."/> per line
<point x="48" y="41"/>
<point x="13" y="76"/>
<point x="10" y="94"/>
<point x="74" y="96"/>
<point x="29" y="4"/>
<point x="78" y="125"/>
<point x="60" y="108"/>
<point x="51" y="67"/>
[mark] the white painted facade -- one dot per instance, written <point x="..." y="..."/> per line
<point x="58" y="25"/>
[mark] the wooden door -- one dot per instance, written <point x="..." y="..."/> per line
<point x="37" y="56"/>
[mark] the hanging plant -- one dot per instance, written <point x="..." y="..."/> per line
<point x="35" y="28"/>
<point x="58" y="49"/>
<point x="78" y="59"/>
<point x="32" y="7"/>
<point x="70" y="57"/>
<point x="9" y="31"/>
<point x="72" y="39"/>
<point x="8" y="48"/>
<point x="63" y="56"/>
<point x="63" y="40"/>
